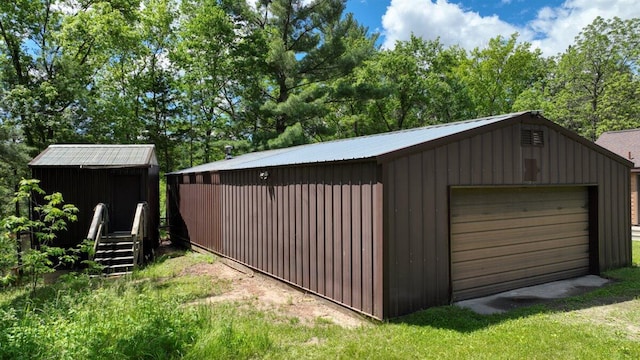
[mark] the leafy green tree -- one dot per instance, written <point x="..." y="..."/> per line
<point x="159" y="94"/>
<point x="498" y="74"/>
<point x="408" y="86"/>
<point x="597" y="77"/>
<point x="49" y="219"/>
<point x="619" y="106"/>
<point x="207" y="54"/>
<point x="137" y="98"/>
<point x="49" y="53"/>
<point x="13" y="161"/>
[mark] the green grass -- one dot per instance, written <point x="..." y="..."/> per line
<point x="151" y="315"/>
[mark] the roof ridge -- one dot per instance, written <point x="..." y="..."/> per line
<point x="420" y="128"/>
<point x="359" y="147"/>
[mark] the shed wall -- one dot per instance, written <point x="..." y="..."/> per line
<point x="193" y="209"/>
<point x="318" y="227"/>
<point x="416" y="192"/>
<point x="85" y="188"/>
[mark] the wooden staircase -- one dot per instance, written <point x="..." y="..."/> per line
<point x="119" y="252"/>
<point x="115" y="253"/>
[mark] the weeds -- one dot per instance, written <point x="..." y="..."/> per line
<point x="146" y="316"/>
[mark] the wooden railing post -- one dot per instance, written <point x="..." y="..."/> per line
<point x="138" y="232"/>
<point x="99" y="224"/>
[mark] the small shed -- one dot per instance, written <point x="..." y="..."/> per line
<point x="120" y="176"/>
<point x="393" y="223"/>
<point x="626" y="143"/>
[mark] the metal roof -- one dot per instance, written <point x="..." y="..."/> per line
<point x="363" y="147"/>
<point x="625" y="143"/>
<point x="96" y="156"/>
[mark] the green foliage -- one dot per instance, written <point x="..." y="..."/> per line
<point x="8" y="258"/>
<point x="49" y="219"/>
<point x="13" y="160"/>
<point x="193" y="76"/>
<point x="293" y="135"/>
<point x="154" y="315"/>
<point x="411" y="85"/>
<point x="113" y="322"/>
<point x="50" y="51"/>
<point x="498" y="74"/>
<point x="307" y="45"/>
<point x="595" y="85"/>
<point x="207" y="54"/>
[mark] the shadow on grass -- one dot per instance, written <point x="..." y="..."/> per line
<point x="624" y="287"/>
<point x="167" y="251"/>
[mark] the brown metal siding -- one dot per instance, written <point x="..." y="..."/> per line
<point x="193" y="209"/>
<point x="420" y="231"/>
<point x="318" y="227"/>
<point x="634" y="198"/>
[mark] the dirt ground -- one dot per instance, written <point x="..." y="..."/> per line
<point x="250" y="288"/>
<point x="266" y="293"/>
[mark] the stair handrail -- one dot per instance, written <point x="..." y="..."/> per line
<point x="99" y="227"/>
<point x="139" y="232"/>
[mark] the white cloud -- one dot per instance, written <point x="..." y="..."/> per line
<point x="454" y="25"/>
<point x="558" y="27"/>
<point x="552" y="30"/>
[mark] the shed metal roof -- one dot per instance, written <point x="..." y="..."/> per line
<point x="96" y="156"/>
<point x="363" y="147"/>
<point x="625" y="143"/>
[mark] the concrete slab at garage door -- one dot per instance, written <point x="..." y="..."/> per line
<point x="504" y="238"/>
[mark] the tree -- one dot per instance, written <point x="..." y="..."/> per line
<point x="601" y="65"/>
<point x="137" y="98"/>
<point x="408" y="86"/>
<point x="498" y="74"/>
<point x="49" y="53"/>
<point x="13" y="160"/>
<point x="50" y="218"/>
<point x="619" y="106"/>
<point x="308" y="45"/>
<point x="210" y="55"/>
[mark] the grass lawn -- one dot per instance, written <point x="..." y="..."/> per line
<point x="151" y="315"/>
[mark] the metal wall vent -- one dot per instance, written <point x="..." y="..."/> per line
<point x="532" y="137"/>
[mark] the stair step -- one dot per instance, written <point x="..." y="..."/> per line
<point x="113" y="251"/>
<point x="115" y="245"/>
<point x="115" y="259"/>
<point x="116" y="237"/>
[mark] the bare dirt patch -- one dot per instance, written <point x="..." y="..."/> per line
<point x="249" y="288"/>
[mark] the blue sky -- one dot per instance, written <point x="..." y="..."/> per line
<point x="550" y="25"/>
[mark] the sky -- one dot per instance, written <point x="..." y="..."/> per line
<point x="550" y="25"/>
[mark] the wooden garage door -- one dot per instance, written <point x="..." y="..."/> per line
<point x="505" y="238"/>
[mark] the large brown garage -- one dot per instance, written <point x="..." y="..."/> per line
<point x="392" y="223"/>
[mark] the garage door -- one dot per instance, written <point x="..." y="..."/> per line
<point x="505" y="238"/>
